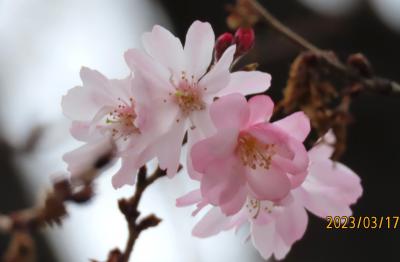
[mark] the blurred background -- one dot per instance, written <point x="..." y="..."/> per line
<point x="43" y="44"/>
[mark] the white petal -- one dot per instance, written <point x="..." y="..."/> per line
<point x="211" y="224"/>
<point x="247" y="83"/>
<point x="219" y="76"/>
<point x="199" y="46"/>
<point x="165" y="48"/>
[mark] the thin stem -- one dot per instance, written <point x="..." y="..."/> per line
<point x="129" y="207"/>
<point x="369" y="83"/>
<point x="282" y="29"/>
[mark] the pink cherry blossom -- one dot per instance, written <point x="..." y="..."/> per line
<point x="182" y="82"/>
<point x="328" y="189"/>
<point x="109" y="108"/>
<point x="248" y="155"/>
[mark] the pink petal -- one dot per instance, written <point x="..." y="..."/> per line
<point x="323" y="148"/>
<point x="77" y="104"/>
<point x="211" y="224"/>
<point x="261" y="109"/>
<point x="154" y="75"/>
<point x="329" y="189"/>
<point x="235" y="202"/>
<point x="80" y="130"/>
<point x="202" y="125"/>
<point x="168" y="148"/>
<point x="126" y="175"/>
<point x="214" y="148"/>
<point x="281" y="249"/>
<point x="219" y="75"/>
<point x="82" y="161"/>
<point x="230" y="111"/>
<point x="297" y="165"/>
<point x="101" y="89"/>
<point x="271" y="184"/>
<point x="247" y="83"/>
<point x="199" y="46"/>
<point x="195" y="135"/>
<point x="165" y="48"/>
<point x="221" y="181"/>
<point x="292" y="223"/>
<point x="267" y="133"/>
<point x="296" y="125"/>
<point x="263" y="238"/>
<point x="190" y="198"/>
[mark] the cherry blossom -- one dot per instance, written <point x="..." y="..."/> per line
<point x="109" y="108"/>
<point x="248" y="155"/>
<point x="328" y="189"/>
<point x="182" y="83"/>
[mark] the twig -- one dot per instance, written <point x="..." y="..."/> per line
<point x="282" y="29"/>
<point x="129" y="207"/>
<point x="20" y="224"/>
<point x="370" y="83"/>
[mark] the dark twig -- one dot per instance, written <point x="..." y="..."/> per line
<point x="282" y="29"/>
<point x="369" y="83"/>
<point x="129" y="207"/>
<point x="20" y="224"/>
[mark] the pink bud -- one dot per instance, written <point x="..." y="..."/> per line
<point x="244" y="39"/>
<point x="223" y="42"/>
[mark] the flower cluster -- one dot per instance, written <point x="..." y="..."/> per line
<point x="250" y="170"/>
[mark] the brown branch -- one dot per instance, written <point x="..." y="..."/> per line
<point x="129" y="207"/>
<point x="282" y="29"/>
<point x="352" y="72"/>
<point x="20" y="224"/>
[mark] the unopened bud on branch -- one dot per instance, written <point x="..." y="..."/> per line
<point x="223" y="42"/>
<point x="244" y="39"/>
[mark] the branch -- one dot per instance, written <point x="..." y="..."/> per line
<point x="22" y="223"/>
<point x="350" y="71"/>
<point x="282" y="29"/>
<point x="129" y="207"/>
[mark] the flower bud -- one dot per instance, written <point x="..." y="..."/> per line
<point x="244" y="39"/>
<point x="223" y="42"/>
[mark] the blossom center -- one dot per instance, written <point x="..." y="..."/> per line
<point x="254" y="153"/>
<point x="122" y="119"/>
<point x="187" y="95"/>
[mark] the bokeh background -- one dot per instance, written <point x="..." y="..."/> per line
<point x="44" y="43"/>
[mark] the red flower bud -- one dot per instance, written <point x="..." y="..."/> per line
<point x="223" y="42"/>
<point x="244" y="39"/>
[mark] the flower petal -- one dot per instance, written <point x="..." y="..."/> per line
<point x="199" y="46"/>
<point x="296" y="165"/>
<point x="126" y="175"/>
<point x="261" y="108"/>
<point x="271" y="184"/>
<point x="211" y="224"/>
<point x="234" y="201"/>
<point x="219" y="75"/>
<point x="153" y="74"/>
<point x="82" y="162"/>
<point x="247" y="83"/>
<point x="329" y="189"/>
<point x="292" y="223"/>
<point x="168" y="148"/>
<point x="214" y="148"/>
<point x="165" y="48"/>
<point x="296" y="125"/>
<point x="222" y="180"/>
<point x="230" y="111"/>
<point x="191" y="198"/>
<point x="263" y="238"/>
<point x="324" y="147"/>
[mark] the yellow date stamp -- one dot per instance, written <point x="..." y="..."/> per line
<point x="362" y="222"/>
